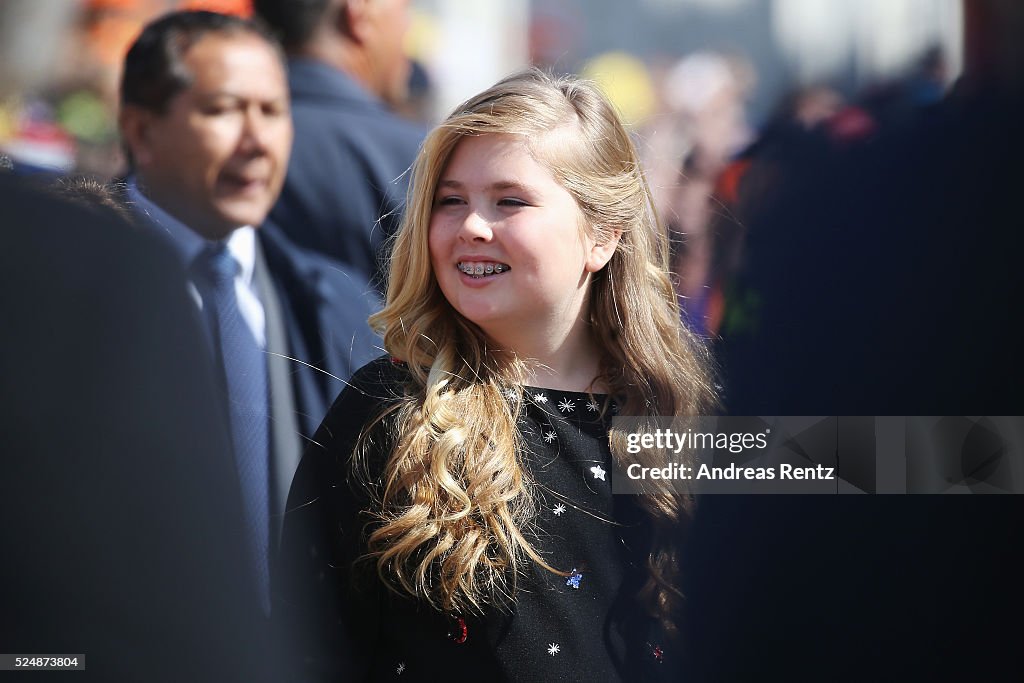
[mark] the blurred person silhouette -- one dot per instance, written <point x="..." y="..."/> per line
<point x="889" y="290"/>
<point x="808" y="123"/>
<point x="418" y="105"/>
<point x="121" y="511"/>
<point x="690" y="210"/>
<point x="348" y="174"/>
<point x="703" y="127"/>
<point x="205" y="123"/>
<point x="899" y="101"/>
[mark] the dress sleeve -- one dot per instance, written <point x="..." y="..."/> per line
<point x="329" y="614"/>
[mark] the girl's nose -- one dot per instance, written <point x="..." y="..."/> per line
<point x="475" y="228"/>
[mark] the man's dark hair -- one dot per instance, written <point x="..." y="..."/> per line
<point x="294" y="21"/>
<point x="153" y="68"/>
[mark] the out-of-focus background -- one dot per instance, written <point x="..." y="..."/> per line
<point x="686" y="73"/>
<point x="819" y="164"/>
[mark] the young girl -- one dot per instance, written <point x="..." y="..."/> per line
<point x="454" y="519"/>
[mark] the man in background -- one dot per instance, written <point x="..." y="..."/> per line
<point x="348" y="175"/>
<point x="205" y="121"/>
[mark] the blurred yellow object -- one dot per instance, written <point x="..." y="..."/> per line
<point x="624" y="78"/>
<point x="9" y="111"/>
<point x="423" y="36"/>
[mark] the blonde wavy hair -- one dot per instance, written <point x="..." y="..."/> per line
<point x="455" y="504"/>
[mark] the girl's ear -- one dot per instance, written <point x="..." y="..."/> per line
<point x="601" y="254"/>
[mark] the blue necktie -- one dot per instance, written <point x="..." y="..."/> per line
<point x="245" y="379"/>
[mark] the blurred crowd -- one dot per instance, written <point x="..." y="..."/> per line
<point x="711" y="166"/>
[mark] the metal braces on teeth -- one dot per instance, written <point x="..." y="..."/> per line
<point x="480" y="269"/>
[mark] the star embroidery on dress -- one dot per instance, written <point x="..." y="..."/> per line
<point x="574" y="579"/>
<point x="598" y="472"/>
<point x="549" y="437"/>
<point x="566" y="406"/>
<point x="400" y="669"/>
<point x="510" y="394"/>
<point x="559" y="509"/>
<point x="592" y="406"/>
<point x="553" y="649"/>
<point x="540" y="398"/>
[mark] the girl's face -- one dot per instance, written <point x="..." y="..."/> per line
<point x="507" y="243"/>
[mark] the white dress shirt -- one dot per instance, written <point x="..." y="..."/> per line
<point x="189" y="244"/>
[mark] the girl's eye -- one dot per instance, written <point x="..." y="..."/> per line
<point x="449" y="201"/>
<point x="512" y="201"/>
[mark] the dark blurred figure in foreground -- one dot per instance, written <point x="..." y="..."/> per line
<point x="885" y="280"/>
<point x="121" y="532"/>
<point x="885" y="271"/>
<point x="348" y="173"/>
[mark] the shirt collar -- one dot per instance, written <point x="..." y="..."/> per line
<point x="188" y="243"/>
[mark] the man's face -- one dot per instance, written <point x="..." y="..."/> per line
<point x="217" y="158"/>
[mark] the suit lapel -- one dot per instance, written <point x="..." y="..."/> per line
<point x="285" y="446"/>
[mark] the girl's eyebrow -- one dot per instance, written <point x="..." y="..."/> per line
<point x="501" y="185"/>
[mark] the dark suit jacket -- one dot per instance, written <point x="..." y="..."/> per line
<point x="121" y="530"/>
<point x="318" y="313"/>
<point x="347" y="177"/>
<point x="325" y="312"/>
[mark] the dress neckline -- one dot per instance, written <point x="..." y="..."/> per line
<point x="531" y="390"/>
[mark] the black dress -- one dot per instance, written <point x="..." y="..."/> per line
<point x="587" y="625"/>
